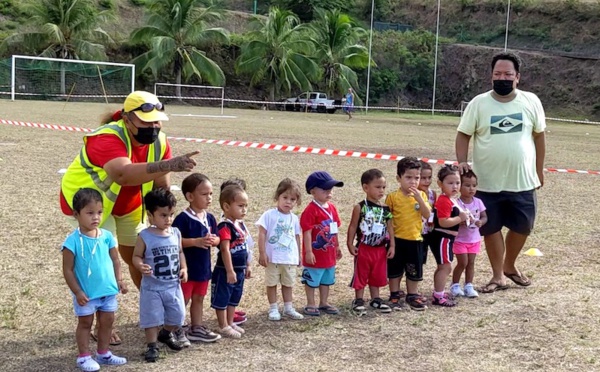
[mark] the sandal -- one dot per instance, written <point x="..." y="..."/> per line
<point x="312" y="311"/>
<point x="115" y="340"/>
<point x="519" y="279"/>
<point x="328" y="309"/>
<point x="492" y="287"/>
<point x="230" y="332"/>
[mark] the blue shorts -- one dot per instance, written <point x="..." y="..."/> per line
<point x="158" y="307"/>
<point x="107" y="304"/>
<point x="315" y="277"/>
<point x="223" y="294"/>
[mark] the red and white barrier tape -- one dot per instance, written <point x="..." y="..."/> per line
<point x="287" y="148"/>
<point x="279" y="103"/>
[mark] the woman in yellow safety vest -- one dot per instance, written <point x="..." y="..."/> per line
<point x="124" y="159"/>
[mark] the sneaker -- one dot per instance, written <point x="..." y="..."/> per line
<point x="180" y="337"/>
<point x="151" y="354"/>
<point x="203" y="334"/>
<point x="293" y="314"/>
<point x="168" y="339"/>
<point x="416" y="302"/>
<point x="240" y="313"/>
<point x="377" y="304"/>
<point x="470" y="292"/>
<point x="396" y="304"/>
<point x="87" y="364"/>
<point x="444" y="301"/>
<point x="456" y="290"/>
<point x="273" y="314"/>
<point x="358" y="306"/>
<point x="110" y="359"/>
<point x="239" y="319"/>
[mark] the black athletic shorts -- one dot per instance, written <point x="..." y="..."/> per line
<point x="407" y="260"/>
<point x="514" y="210"/>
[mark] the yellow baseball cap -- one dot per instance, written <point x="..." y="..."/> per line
<point x="145" y="106"/>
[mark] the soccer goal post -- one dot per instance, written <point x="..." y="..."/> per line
<point x="194" y="94"/>
<point x="69" y="79"/>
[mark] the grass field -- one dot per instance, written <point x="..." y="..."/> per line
<point x="551" y="326"/>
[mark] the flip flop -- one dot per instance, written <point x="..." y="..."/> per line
<point x="312" y="311"/>
<point x="492" y="287"/>
<point x="331" y="310"/>
<point x="519" y="279"/>
<point x="115" y="340"/>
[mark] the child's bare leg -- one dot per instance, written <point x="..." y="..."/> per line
<point x="197" y="310"/>
<point x="374" y="291"/>
<point x="395" y="284"/>
<point x="470" y="270"/>
<point x="151" y="334"/>
<point x="105" y="322"/>
<point x="359" y="293"/>
<point x="82" y="334"/>
<point x="440" y="276"/>
<point x="272" y="294"/>
<point x="286" y="293"/>
<point x="461" y="264"/>
<point x="323" y="295"/>
<point x="412" y="287"/>
<point x="221" y="318"/>
<point x="310" y="296"/>
<point x="230" y="314"/>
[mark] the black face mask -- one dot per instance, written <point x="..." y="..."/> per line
<point x="503" y="87"/>
<point x="146" y="135"/>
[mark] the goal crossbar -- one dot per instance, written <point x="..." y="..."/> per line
<point x="16" y="56"/>
<point x="156" y="85"/>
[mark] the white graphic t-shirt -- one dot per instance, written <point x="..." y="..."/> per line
<point x="280" y="244"/>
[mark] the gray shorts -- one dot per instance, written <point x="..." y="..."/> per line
<point x="161" y="307"/>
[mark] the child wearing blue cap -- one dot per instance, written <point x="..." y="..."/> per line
<point x="320" y="223"/>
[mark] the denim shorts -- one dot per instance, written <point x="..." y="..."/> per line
<point x="223" y="294"/>
<point x="107" y="304"/>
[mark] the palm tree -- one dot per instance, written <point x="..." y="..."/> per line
<point x="65" y="29"/>
<point x="278" y="52"/>
<point x="175" y="30"/>
<point x="338" y="49"/>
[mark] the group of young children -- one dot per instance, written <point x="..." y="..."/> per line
<point x="387" y="241"/>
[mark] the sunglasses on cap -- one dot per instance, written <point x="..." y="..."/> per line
<point x="148" y="107"/>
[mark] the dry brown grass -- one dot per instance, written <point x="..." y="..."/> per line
<point x="553" y="325"/>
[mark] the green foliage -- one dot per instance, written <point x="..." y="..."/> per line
<point x="138" y="2"/>
<point x="405" y="62"/>
<point x="278" y="53"/>
<point x="383" y="10"/>
<point x="340" y="50"/>
<point x="176" y="31"/>
<point x="305" y="9"/>
<point x="108" y="4"/>
<point x="62" y="28"/>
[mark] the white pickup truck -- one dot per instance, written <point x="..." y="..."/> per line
<point x="311" y="101"/>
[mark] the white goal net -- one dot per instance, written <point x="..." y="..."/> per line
<point x="187" y="94"/>
<point x="73" y="80"/>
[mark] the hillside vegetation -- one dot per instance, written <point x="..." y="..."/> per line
<point x="548" y="34"/>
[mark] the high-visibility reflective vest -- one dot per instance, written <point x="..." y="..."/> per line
<point x="83" y="174"/>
